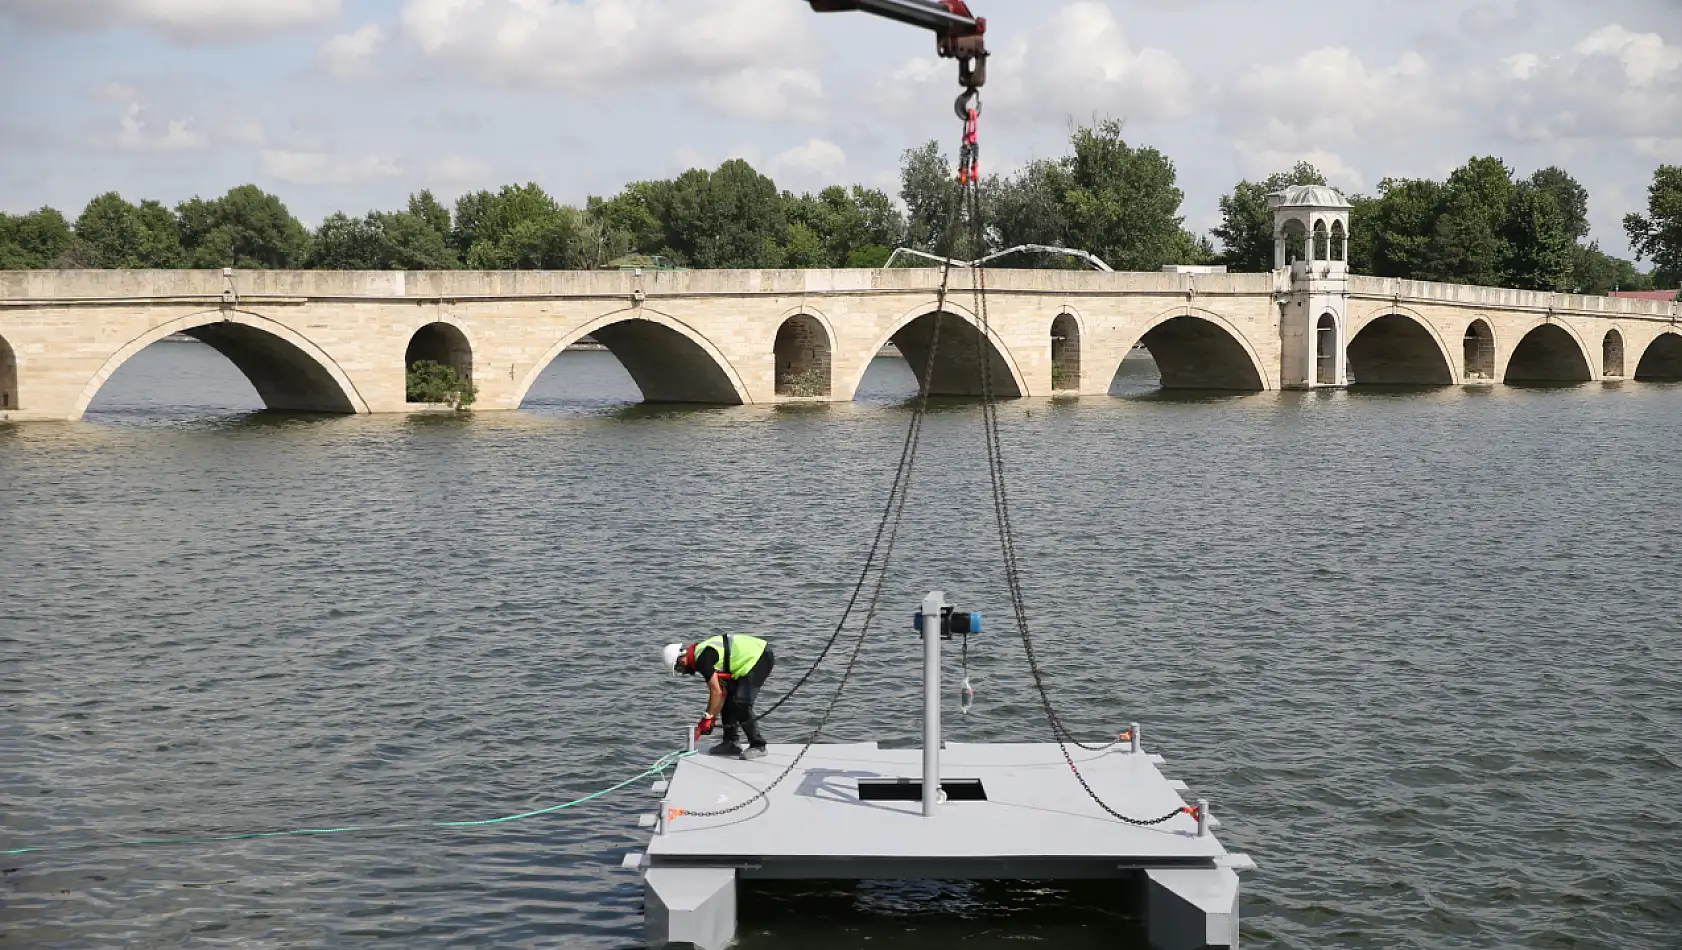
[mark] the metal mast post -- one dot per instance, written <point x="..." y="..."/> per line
<point x="932" y="607"/>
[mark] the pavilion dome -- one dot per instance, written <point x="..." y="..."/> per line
<point x="1309" y="196"/>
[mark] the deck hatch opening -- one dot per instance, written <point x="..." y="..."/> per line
<point x="911" y="790"/>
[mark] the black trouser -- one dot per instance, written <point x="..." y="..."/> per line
<point x="738" y="700"/>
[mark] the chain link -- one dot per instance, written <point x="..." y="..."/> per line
<point x="969" y="179"/>
<point x="887" y="535"/>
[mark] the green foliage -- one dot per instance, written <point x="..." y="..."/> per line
<point x="1598" y="274"/>
<point x="929" y="188"/>
<point x="1480" y="226"/>
<point x="842" y="228"/>
<point x="1538" y="242"/>
<point x="437" y="384"/>
<point x="1246" y="227"/>
<point x="244" y="228"/>
<point x="116" y="234"/>
<point x="417" y="239"/>
<point x="1657" y="235"/>
<point x="37" y="240"/>
<point x="1571" y="197"/>
<point x="812" y="382"/>
<point x="1119" y="202"/>
<point x="520" y="228"/>
<point x="1031" y="208"/>
<point x="1123" y="203"/>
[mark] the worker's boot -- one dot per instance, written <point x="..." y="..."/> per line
<point x="756" y="742"/>
<point x="728" y="746"/>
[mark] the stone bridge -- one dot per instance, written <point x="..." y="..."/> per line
<point x="340" y="341"/>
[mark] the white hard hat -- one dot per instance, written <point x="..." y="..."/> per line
<point x="670" y="655"/>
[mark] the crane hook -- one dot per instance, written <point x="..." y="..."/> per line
<point x="970" y="99"/>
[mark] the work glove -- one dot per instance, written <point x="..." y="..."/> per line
<point x="705" y="727"/>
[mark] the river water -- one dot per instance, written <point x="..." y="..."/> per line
<point x="1421" y="649"/>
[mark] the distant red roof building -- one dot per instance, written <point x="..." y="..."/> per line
<point x="1664" y="295"/>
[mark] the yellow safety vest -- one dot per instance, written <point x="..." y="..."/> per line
<point x="738" y="653"/>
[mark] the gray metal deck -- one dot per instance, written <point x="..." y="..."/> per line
<point x="1036" y="824"/>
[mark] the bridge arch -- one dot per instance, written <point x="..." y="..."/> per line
<point x="669" y="360"/>
<point x="1612" y="353"/>
<point x="1662" y="360"/>
<point x="804" y="351"/>
<point x="8" y="377"/>
<point x="444" y="342"/>
<point x="288" y="371"/>
<point x="957" y="370"/>
<point x="1549" y="353"/>
<point x="1199" y="349"/>
<point x="1398" y="348"/>
<point x="1065" y="353"/>
<point x="1478" y="345"/>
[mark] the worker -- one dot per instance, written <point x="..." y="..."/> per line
<point x="734" y="666"/>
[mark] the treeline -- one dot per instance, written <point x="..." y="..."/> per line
<point x="1481" y="225"/>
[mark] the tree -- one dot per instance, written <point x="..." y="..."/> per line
<point x="40" y="239"/>
<point x="1571" y="197"/>
<point x="929" y="188"/>
<point x="1539" y="241"/>
<point x="430" y="382"/>
<point x="1657" y="235"/>
<point x="244" y="228"/>
<point x="1399" y="224"/>
<point x="735" y="218"/>
<point x="431" y="213"/>
<point x="346" y="243"/>
<point x="1597" y="273"/>
<point x="857" y="228"/>
<point x="1123" y="204"/>
<point x="519" y="228"/>
<point x="1468" y="242"/>
<point x="1031" y="207"/>
<point x="1246" y="227"/>
<point x="115" y="234"/>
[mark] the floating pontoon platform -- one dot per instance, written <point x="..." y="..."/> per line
<point x="1001" y="812"/>
<point x="1012" y="812"/>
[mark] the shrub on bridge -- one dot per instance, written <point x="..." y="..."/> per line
<point x="435" y="383"/>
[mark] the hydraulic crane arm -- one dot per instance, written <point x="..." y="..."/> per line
<point x="959" y="35"/>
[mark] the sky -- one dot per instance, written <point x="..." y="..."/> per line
<point x="353" y="104"/>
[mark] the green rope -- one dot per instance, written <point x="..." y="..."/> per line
<point x="658" y="768"/>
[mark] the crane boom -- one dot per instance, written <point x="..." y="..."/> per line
<point x="959" y="34"/>
<point x="929" y="14"/>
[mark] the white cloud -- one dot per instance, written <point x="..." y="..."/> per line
<point x="766" y="95"/>
<point x="115" y="92"/>
<point x="686" y="157"/>
<point x="180" y="20"/>
<point x="1075" y="63"/>
<point x="246" y="132"/>
<point x="1613" y="84"/>
<point x="1498" y="16"/>
<point x="136" y="133"/>
<point x="1330" y="96"/>
<point x="323" y="168"/>
<point x="458" y="170"/>
<point x="815" y="161"/>
<point x="1646" y="58"/>
<point x="592" y="45"/>
<point x="1079" y="62"/>
<point x="1260" y="163"/>
<point x="350" y="56"/>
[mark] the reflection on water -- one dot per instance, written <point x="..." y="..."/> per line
<point x="1420" y="648"/>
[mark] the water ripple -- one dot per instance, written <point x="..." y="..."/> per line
<point x="1420" y="649"/>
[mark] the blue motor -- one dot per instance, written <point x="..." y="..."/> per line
<point x="952" y="622"/>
